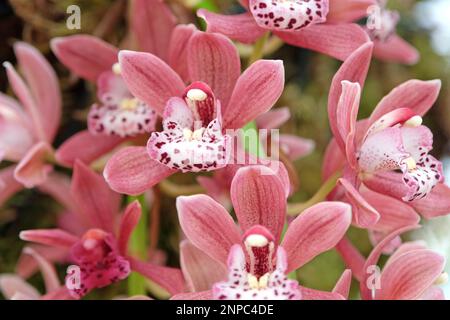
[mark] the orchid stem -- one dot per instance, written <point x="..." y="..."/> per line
<point x="258" y="49"/>
<point x="174" y="190"/>
<point x="295" y="209"/>
<point x="138" y="243"/>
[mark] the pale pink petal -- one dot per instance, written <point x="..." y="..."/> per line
<point x="406" y="247"/>
<point x="351" y="256"/>
<point x="49" y="237"/>
<point x="317" y="229"/>
<point x="94" y="198"/>
<point x="199" y="269"/>
<point x="61" y="294"/>
<point x="273" y="119"/>
<point x="373" y="258"/>
<point x="214" y="60"/>
<point x="170" y="279"/>
<point x="410" y="275"/>
<point x="334" y="160"/>
<point x="86" y="147"/>
<point x="259" y="198"/>
<point x="152" y="24"/>
<point x="23" y="93"/>
<point x="433" y="293"/>
<point x="393" y="213"/>
<point x="354" y="69"/>
<point x="48" y="271"/>
<point x="395" y="49"/>
<point x="26" y="266"/>
<point x="240" y="27"/>
<point x="336" y="40"/>
<point x="132" y="171"/>
<point x="85" y="55"/>
<point x="208" y="226"/>
<point x="216" y="188"/>
<point x="203" y="295"/>
<point x="435" y="204"/>
<point x="256" y="91"/>
<point x="178" y="49"/>
<point x="11" y="285"/>
<point x="44" y="86"/>
<point x="296" y="147"/>
<point x="8" y="184"/>
<point x="33" y="169"/>
<point x="348" y="10"/>
<point x="364" y="215"/>
<point x="149" y="78"/>
<point x="344" y="283"/>
<point x="417" y="95"/>
<point x="128" y="223"/>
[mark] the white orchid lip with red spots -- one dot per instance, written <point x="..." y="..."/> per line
<point x="262" y="275"/>
<point x="399" y="141"/>
<point x="192" y="140"/>
<point x="99" y="261"/>
<point x="382" y="24"/>
<point x="288" y="15"/>
<point x="119" y="113"/>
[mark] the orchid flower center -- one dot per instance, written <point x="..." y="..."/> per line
<point x="382" y="23"/>
<point x="288" y="15"/>
<point x="129" y="104"/>
<point x="260" y="251"/>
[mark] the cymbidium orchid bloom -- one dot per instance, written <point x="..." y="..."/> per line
<point x="14" y="287"/>
<point x="196" y="116"/>
<point x="257" y="262"/>
<point x="387" y="153"/>
<point x="29" y="127"/>
<point x="118" y="115"/>
<point x="319" y="25"/>
<point x="100" y="249"/>
<point x="413" y="272"/>
<point x="388" y="45"/>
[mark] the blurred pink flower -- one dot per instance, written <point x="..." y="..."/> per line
<point x="388" y="46"/>
<point x="259" y="202"/>
<point x="221" y="98"/>
<point x="411" y="273"/>
<point x="392" y="139"/>
<point x="14" y="286"/>
<point x="100" y="247"/>
<point x="118" y="115"/>
<point x="320" y="25"/>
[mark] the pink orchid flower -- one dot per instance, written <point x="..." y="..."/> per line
<point x="194" y="118"/>
<point x="411" y="273"/>
<point x="100" y="250"/>
<point x="257" y="263"/>
<point x="389" y="46"/>
<point x="392" y="139"/>
<point x="29" y="127"/>
<point x="14" y="287"/>
<point x="118" y="116"/>
<point x="319" y="25"/>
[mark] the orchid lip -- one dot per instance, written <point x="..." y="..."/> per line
<point x="116" y="69"/>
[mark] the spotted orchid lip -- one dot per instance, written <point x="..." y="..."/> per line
<point x="288" y="15"/>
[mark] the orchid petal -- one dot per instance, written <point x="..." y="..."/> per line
<point x="208" y="226"/>
<point x="395" y="49"/>
<point x="86" y="147"/>
<point x="232" y="26"/>
<point x="94" y="198"/>
<point x="149" y="78"/>
<point x="273" y="119"/>
<point x="349" y="10"/>
<point x="85" y="55"/>
<point x="199" y="269"/>
<point x="132" y="171"/>
<point x="214" y="60"/>
<point x="203" y="295"/>
<point x="8" y="184"/>
<point x="152" y="23"/>
<point x="177" y="57"/>
<point x="344" y="283"/>
<point x="49" y="237"/>
<point x="256" y="91"/>
<point x="317" y="229"/>
<point x="58" y="186"/>
<point x="128" y="223"/>
<point x="48" y="271"/>
<point x="33" y="169"/>
<point x="336" y="40"/>
<point x="259" y="198"/>
<point x="11" y="285"/>
<point x="351" y="256"/>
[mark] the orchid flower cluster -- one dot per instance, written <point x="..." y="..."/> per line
<point x="177" y="103"/>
